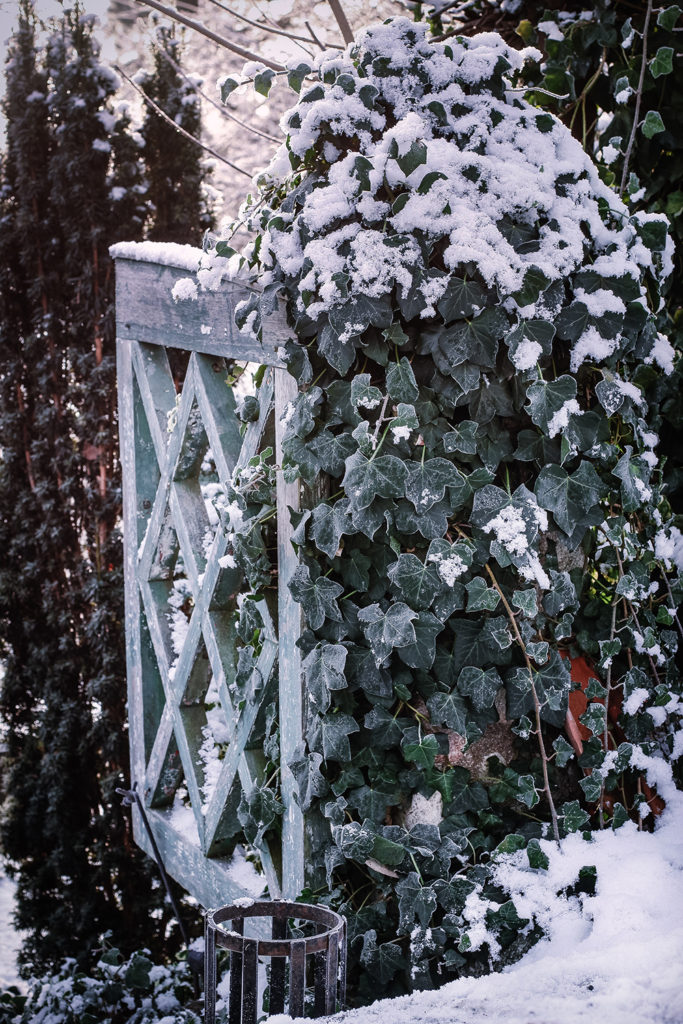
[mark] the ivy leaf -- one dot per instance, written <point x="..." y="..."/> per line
<point x="652" y="125"/>
<point x="539" y="331"/>
<point x="331" y="451"/>
<point x="335" y="732"/>
<point x="427" y="482"/>
<point x="417" y="581"/>
<point x="324" y="670"/>
<point x="263" y="81"/>
<point x="479" y="685"/>
<point x="562" y="594"/>
<point x="296" y="76"/>
<point x="463" y="439"/>
<point x="421" y="654"/>
<point x="537" y="858"/>
<point x="572" y="321"/>
<point x="526" y="791"/>
<point x="366" y="479"/>
<point x="546" y="397"/>
<point x="401" y="383"/>
<point x="461" y="299"/>
<point x="525" y="600"/>
<point x="328" y="523"/>
<point x="419" y="749"/>
<point x="410" y="161"/>
<point x="429" y="179"/>
<point x="228" y="86"/>
<point x="339" y="354"/>
<point x="309" y="779"/>
<point x="574" y="816"/>
<point x="668" y="17"/>
<point x="362" y="670"/>
<point x="563" y="752"/>
<point x="594" y="718"/>
<point x="474" y="341"/>
<point x="592" y="785"/>
<point x="480" y="597"/>
<point x="318" y="597"/>
<point x="662" y="62"/>
<point x="632" y="497"/>
<point x="383" y="961"/>
<point x="389" y="629"/>
<point x="448" y="709"/>
<point x="414" y="900"/>
<point x="365" y="394"/>
<point x="569" y="497"/>
<point x="532" y="286"/>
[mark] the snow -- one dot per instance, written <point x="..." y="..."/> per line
<point x="10" y="939"/>
<point x="168" y="254"/>
<point x="560" y="419"/>
<point x="185" y="288"/>
<point x="614" y="956"/>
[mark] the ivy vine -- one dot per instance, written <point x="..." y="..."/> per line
<point x="476" y="328"/>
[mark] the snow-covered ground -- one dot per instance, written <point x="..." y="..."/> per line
<point x="9" y="939"/>
<point x="612" y="958"/>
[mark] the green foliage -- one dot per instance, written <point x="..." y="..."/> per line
<point x="71" y="183"/>
<point x="178" y="187"/>
<point x="495" y="499"/>
<point x="117" y="990"/>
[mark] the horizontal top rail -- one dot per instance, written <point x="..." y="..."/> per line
<point x="147" y="311"/>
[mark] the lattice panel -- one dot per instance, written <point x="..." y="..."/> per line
<point x="197" y="727"/>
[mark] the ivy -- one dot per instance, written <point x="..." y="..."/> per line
<point x="474" y="387"/>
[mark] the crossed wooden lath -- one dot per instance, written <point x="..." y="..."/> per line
<point x="165" y="437"/>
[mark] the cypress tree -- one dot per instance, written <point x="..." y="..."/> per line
<point x="182" y="210"/>
<point x="63" y="695"/>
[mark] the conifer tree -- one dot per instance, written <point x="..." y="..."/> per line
<point x="61" y="614"/>
<point x="176" y="176"/>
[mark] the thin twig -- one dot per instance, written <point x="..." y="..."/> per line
<point x="342" y="21"/>
<point x="224" y="110"/>
<point x="162" y="113"/>
<point x="639" y="96"/>
<point x="227" y="44"/>
<point x="537" y="705"/>
<point x="274" y="29"/>
<point x="608" y="685"/>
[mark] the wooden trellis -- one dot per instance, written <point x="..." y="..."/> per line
<point x="166" y="433"/>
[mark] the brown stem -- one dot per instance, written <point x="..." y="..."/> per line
<point x="639" y="96"/>
<point x="605" y="737"/>
<point x="169" y="120"/>
<point x="342" y="21"/>
<point x="537" y="705"/>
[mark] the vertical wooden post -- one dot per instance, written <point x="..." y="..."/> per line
<point x="290" y="672"/>
<point x="130" y="547"/>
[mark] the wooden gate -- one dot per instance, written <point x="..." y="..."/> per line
<point x="179" y="426"/>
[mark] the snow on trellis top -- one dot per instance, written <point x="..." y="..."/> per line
<point x="435" y="152"/>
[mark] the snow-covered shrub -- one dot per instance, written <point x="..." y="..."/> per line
<point x="115" y="991"/>
<point x="475" y="313"/>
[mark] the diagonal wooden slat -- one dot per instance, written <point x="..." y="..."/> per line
<point x="168" y="537"/>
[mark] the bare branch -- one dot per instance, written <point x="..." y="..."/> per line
<point x="224" y="110"/>
<point x="162" y="113"/>
<point x="342" y="21"/>
<point x="639" y="96"/>
<point x="227" y="44"/>
<point x="274" y="29"/>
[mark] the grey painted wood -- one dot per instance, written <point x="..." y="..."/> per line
<point x="146" y="311"/>
<point x="290" y="675"/>
<point x="163" y="436"/>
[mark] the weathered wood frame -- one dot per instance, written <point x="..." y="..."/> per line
<point x="148" y="322"/>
